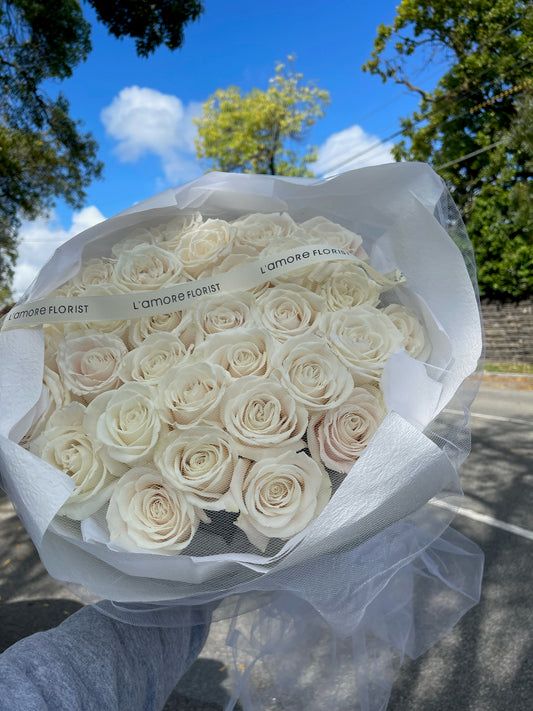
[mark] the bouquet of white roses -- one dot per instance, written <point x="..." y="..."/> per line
<point x="231" y="381"/>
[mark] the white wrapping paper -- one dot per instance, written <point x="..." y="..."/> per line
<point x="401" y="211"/>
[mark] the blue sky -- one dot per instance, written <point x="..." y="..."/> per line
<point x="140" y="110"/>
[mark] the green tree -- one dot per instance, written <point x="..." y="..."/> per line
<point x="474" y="127"/>
<point x="44" y="154"/>
<point x="254" y="132"/>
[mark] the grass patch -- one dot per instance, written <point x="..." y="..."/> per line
<point x="519" y="368"/>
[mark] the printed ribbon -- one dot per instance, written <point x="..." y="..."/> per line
<point x="111" y="307"/>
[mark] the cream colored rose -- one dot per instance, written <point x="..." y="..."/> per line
<point x="325" y="231"/>
<point x="260" y="414"/>
<point x="278" y="496"/>
<point x="241" y="351"/>
<point x="66" y="446"/>
<point x="312" y="373"/>
<point x="126" y="422"/>
<point x="338" y="437"/>
<point x="150" y="361"/>
<point x="191" y="393"/>
<point x="199" y="461"/>
<point x="140" y="328"/>
<point x="256" y="231"/>
<point x="415" y="339"/>
<point x="147" y="513"/>
<point x="147" y="267"/>
<point x="205" y="246"/>
<point x="363" y="338"/>
<point x="88" y="363"/>
<point x="290" y="310"/>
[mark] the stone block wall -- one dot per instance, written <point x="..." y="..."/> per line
<point x="508" y="331"/>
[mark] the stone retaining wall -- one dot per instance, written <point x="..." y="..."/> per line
<point x="508" y="331"/>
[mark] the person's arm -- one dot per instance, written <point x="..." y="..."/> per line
<point x="94" y="663"/>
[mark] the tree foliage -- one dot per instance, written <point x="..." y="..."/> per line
<point x="44" y="153"/>
<point x="254" y="132"/>
<point x="475" y="126"/>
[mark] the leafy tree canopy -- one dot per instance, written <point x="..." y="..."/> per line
<point x="44" y="154"/>
<point x="252" y="132"/>
<point x="475" y="126"/>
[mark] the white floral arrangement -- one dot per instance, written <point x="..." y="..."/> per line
<point x="228" y="381"/>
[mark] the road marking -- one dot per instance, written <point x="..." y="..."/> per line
<point x="489" y="520"/>
<point x="498" y="418"/>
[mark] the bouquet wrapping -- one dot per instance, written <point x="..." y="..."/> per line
<point x="243" y="393"/>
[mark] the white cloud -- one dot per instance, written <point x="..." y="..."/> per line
<point x="41" y="237"/>
<point x="145" y="121"/>
<point x="349" y="149"/>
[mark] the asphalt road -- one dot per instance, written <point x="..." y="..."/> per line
<point x="484" y="664"/>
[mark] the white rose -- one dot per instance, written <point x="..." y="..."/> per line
<point x="342" y="284"/>
<point x="53" y="335"/>
<point x="363" y="338"/>
<point x="278" y="496"/>
<point x="241" y="351"/>
<point x="147" y="513"/>
<point x="205" y="245"/>
<point x="312" y="373"/>
<point x="94" y="272"/>
<point x="191" y="393"/>
<point x="170" y="235"/>
<point x="415" y="338"/>
<point x="324" y="230"/>
<point x="126" y="422"/>
<point x="66" y="446"/>
<point x="141" y="328"/>
<point x="150" y="361"/>
<point x="290" y="310"/>
<point x="224" y="312"/>
<point x="138" y="237"/>
<point x="88" y="363"/>
<point x="260" y="414"/>
<point x="199" y="461"/>
<point x="146" y="267"/>
<point x="255" y="232"/>
<point x="338" y="437"/>
<point x="54" y="396"/>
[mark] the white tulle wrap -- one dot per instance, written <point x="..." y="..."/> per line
<point x="378" y="574"/>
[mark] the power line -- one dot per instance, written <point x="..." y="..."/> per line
<point x="470" y="155"/>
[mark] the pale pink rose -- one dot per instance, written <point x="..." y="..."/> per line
<point x="278" y="496"/>
<point x="338" y="437"/>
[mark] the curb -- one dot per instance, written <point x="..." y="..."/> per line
<point x="516" y="381"/>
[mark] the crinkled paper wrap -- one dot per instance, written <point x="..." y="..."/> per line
<point x="378" y="524"/>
